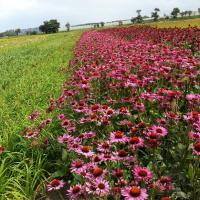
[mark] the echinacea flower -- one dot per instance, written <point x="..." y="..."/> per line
<point x="55" y="184"/>
<point x="163" y="184"/>
<point x="75" y="192"/>
<point x="118" y="137"/>
<point x="159" y="130"/>
<point x="96" y="173"/>
<point x="196" y="148"/>
<point x="99" y="188"/>
<point x="2" y="149"/>
<point x="142" y="174"/>
<point x="34" y="115"/>
<point x="104" y="147"/>
<point x="64" y="139"/>
<point x="85" y="150"/>
<point x="77" y="166"/>
<point x="194" y="135"/>
<point x="134" y="193"/>
<point x="136" y="142"/>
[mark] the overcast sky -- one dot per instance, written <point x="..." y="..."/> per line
<point x="31" y="13"/>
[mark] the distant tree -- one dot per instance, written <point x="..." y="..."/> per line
<point x="155" y="15"/>
<point x="189" y="13"/>
<point x="67" y="26"/>
<point x="51" y="26"/>
<point x="175" y="12"/>
<point x="182" y="14"/>
<point x="133" y="20"/>
<point x="199" y="11"/>
<point x="139" y="18"/>
<point x="102" y="24"/>
<point x="138" y="12"/>
<point x="18" y="31"/>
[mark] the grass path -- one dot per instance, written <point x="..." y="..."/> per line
<point x="32" y="69"/>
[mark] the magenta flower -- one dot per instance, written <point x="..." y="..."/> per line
<point x="104" y="147"/>
<point x="75" y="192"/>
<point x="142" y="174"/>
<point x="163" y="184"/>
<point x="196" y="148"/>
<point x="134" y="193"/>
<point x="34" y="115"/>
<point x="136" y="142"/>
<point x="55" y="184"/>
<point x="85" y="150"/>
<point x="99" y="188"/>
<point x="159" y="130"/>
<point x="118" y="137"/>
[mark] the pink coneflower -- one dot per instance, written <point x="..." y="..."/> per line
<point x="159" y="130"/>
<point x="139" y="107"/>
<point x="163" y="184"/>
<point x="65" y="139"/>
<point x="61" y="116"/>
<point x="136" y="142"/>
<point x="75" y="192"/>
<point x="142" y="174"/>
<point x="34" y="115"/>
<point x="2" y="149"/>
<point x="119" y="173"/>
<point x="118" y="137"/>
<point x="134" y="193"/>
<point x="105" y="157"/>
<point x="172" y="116"/>
<point x="29" y="134"/>
<point x="194" y="135"/>
<point x="121" y="155"/>
<point x="99" y="188"/>
<point x="96" y="173"/>
<point x="89" y="134"/>
<point x="124" y="111"/>
<point x="196" y="148"/>
<point x="55" y="184"/>
<point x="104" y="147"/>
<point x="77" y="166"/>
<point x="85" y="150"/>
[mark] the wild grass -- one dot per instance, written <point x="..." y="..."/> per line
<point x="32" y="70"/>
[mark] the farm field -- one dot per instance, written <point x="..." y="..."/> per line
<point x="122" y="121"/>
<point x="32" y="70"/>
<point x="178" y="23"/>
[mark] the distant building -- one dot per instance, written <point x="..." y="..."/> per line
<point x="29" y="31"/>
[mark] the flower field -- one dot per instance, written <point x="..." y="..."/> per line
<point x="127" y="124"/>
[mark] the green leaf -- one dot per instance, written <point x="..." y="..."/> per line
<point x="191" y="172"/>
<point x="58" y="174"/>
<point x="64" y="155"/>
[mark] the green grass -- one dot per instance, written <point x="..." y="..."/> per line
<point x="32" y="70"/>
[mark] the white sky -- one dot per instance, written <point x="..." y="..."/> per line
<point x="31" y="13"/>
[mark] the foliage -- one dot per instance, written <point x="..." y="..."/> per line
<point x="67" y="26"/>
<point x="51" y="26"/>
<point x="155" y="15"/>
<point x="129" y="119"/>
<point x="175" y="12"/>
<point x="32" y="69"/>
